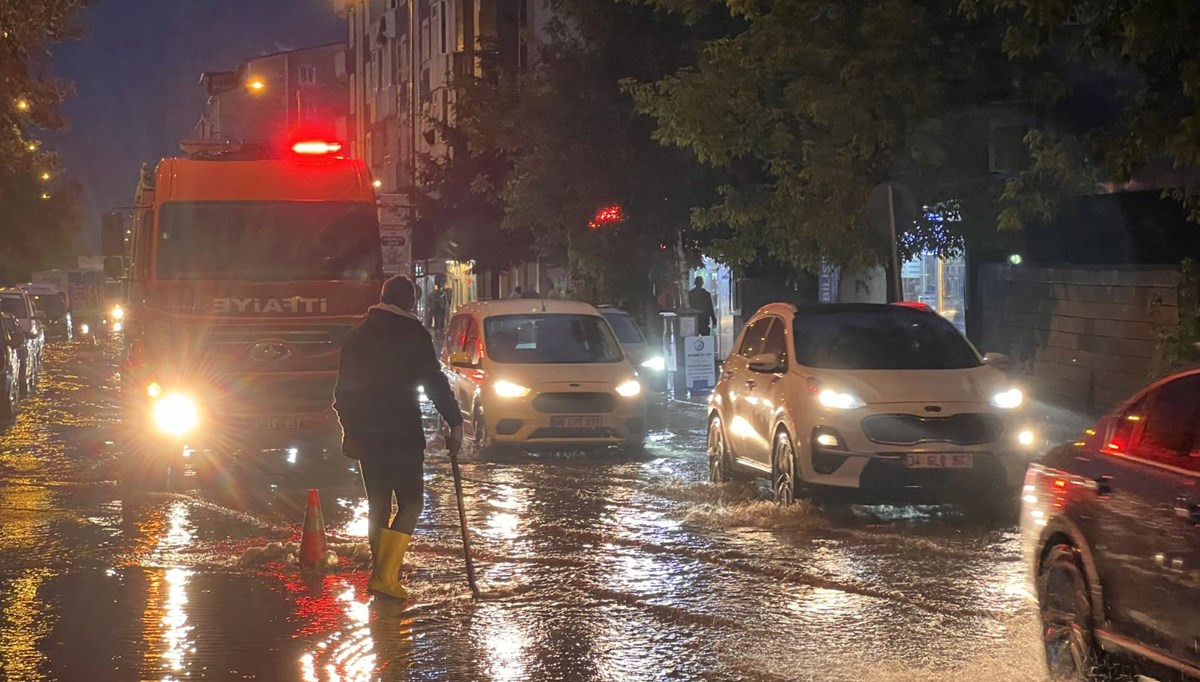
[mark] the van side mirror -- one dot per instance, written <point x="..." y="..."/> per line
<point x="998" y="360"/>
<point x="112" y="234"/>
<point x="461" y="359"/>
<point x="767" y="363"/>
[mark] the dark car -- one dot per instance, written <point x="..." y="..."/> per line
<point x="1111" y="526"/>
<point x="12" y="340"/>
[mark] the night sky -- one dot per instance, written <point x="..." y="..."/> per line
<point x="137" y="79"/>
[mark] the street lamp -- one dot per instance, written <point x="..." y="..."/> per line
<point x="256" y="85"/>
<point x="377" y="183"/>
<point x="45" y="176"/>
<point x="32" y="146"/>
<point x="22" y="105"/>
<point x="45" y="196"/>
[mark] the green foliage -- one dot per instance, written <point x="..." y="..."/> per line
<point x="812" y="103"/>
<point x="1148" y="53"/>
<point x="1177" y="341"/>
<point x="572" y="143"/>
<point x="34" y="231"/>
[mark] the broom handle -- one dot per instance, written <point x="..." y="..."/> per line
<point x="462" y="522"/>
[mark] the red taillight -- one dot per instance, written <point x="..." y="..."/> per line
<point x="1060" y="483"/>
<point x="316" y="147"/>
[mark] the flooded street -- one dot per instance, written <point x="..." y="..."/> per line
<point x="593" y="567"/>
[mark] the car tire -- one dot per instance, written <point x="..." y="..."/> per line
<point x="1068" y="628"/>
<point x="8" y="405"/>
<point x="783" y="470"/>
<point x="720" y="467"/>
<point x="481" y="439"/>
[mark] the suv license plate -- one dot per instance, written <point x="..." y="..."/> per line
<point x="282" y="424"/>
<point x="577" y="421"/>
<point x="940" y="460"/>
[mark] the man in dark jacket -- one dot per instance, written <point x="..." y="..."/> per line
<point x="699" y="299"/>
<point x="384" y="363"/>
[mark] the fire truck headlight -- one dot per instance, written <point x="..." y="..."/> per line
<point x="176" y="414"/>
<point x="118" y="313"/>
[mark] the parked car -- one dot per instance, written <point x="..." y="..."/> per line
<point x="542" y="373"/>
<point x="53" y="305"/>
<point x="17" y="303"/>
<point x="645" y="358"/>
<point x="13" y="340"/>
<point x="868" y="403"/>
<point x="1111" y="530"/>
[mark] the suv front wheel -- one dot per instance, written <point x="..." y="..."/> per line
<point x="719" y="469"/>
<point x="783" y="469"/>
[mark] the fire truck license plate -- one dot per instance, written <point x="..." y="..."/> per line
<point x="282" y="424"/>
<point x="577" y="421"/>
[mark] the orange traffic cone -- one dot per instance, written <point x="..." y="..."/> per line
<point x="312" y="541"/>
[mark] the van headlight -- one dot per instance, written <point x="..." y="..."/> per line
<point x="176" y="414"/>
<point x="507" y="389"/>
<point x="1008" y="400"/>
<point x="84" y="329"/>
<point x="839" y="400"/>
<point x="628" y="389"/>
<point x="655" y="364"/>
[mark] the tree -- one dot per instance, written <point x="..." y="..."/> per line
<point x="40" y="216"/>
<point x="1135" y="62"/>
<point x="811" y="103"/>
<point x="574" y="143"/>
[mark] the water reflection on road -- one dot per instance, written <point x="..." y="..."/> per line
<point x="593" y="567"/>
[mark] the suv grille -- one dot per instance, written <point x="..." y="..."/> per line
<point x="574" y="403"/>
<point x="908" y="429"/>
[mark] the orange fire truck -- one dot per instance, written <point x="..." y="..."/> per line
<point x="246" y="265"/>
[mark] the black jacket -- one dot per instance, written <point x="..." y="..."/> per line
<point x="383" y="362"/>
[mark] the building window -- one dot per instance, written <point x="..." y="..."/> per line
<point x="307" y="75"/>
<point x="425" y="41"/>
<point x="445" y="107"/>
<point x="425" y="94"/>
<point x="443" y="27"/>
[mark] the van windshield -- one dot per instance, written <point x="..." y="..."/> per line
<point x="550" y="338"/>
<point x="268" y="241"/>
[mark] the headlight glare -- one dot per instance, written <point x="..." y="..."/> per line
<point x="118" y="313"/>
<point x="839" y="401"/>
<point x="628" y="389"/>
<point x="1008" y="400"/>
<point x="507" y="389"/>
<point x="153" y="389"/>
<point x="176" y="414"/>
<point x="655" y="364"/>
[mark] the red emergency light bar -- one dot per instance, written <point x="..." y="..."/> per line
<point x="316" y="147"/>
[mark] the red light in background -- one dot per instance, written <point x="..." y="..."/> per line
<point x="1060" y="483"/>
<point x="316" y="147"/>
<point x="607" y="216"/>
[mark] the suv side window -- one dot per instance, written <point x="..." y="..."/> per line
<point x="776" y="341"/>
<point x="471" y="343"/>
<point x="754" y="338"/>
<point x="1169" y="433"/>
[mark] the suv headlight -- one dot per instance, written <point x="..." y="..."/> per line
<point x="1008" y="400"/>
<point x="628" y="389"/>
<point x="839" y="400"/>
<point x="507" y="389"/>
<point x="655" y="364"/>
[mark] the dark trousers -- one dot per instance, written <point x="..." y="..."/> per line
<point x="389" y="470"/>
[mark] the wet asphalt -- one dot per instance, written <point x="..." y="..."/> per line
<point x="592" y="566"/>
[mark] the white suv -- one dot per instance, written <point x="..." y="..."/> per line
<point x="867" y="403"/>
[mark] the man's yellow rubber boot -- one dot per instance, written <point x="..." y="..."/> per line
<point x="385" y="579"/>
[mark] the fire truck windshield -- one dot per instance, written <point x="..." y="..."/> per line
<point x="268" y="241"/>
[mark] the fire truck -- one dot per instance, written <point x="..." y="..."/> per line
<point x="245" y="266"/>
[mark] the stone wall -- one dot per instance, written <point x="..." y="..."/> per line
<point x="1083" y="338"/>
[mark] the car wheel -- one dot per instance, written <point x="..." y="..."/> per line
<point x="482" y="439"/>
<point x="783" y="470"/>
<point x="719" y="469"/>
<point x="8" y="407"/>
<point x="1067" y="628"/>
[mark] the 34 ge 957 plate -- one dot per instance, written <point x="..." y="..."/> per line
<point x="939" y="460"/>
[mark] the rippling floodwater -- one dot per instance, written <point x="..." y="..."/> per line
<point x="593" y="567"/>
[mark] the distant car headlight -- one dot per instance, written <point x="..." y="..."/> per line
<point x="116" y="326"/>
<point x="118" y="313"/>
<point x="839" y="401"/>
<point x="507" y="389"/>
<point x="628" y="389"/>
<point x="1008" y="400"/>
<point x="176" y="414"/>
<point x="655" y="364"/>
<point x="85" y="329"/>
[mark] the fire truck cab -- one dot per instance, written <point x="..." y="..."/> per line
<point x="246" y="266"/>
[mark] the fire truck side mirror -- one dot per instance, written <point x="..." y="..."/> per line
<point x="112" y="234"/>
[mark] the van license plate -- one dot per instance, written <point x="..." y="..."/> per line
<point x="282" y="424"/>
<point x="576" y="421"/>
<point x="940" y="460"/>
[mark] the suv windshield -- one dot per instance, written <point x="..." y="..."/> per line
<point x="623" y="326"/>
<point x="13" y="304"/>
<point x="887" y="338"/>
<point x="51" y="304"/>
<point x="550" y="338"/>
<point x="268" y="241"/>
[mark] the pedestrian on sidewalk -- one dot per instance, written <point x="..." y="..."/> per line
<point x="383" y="364"/>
